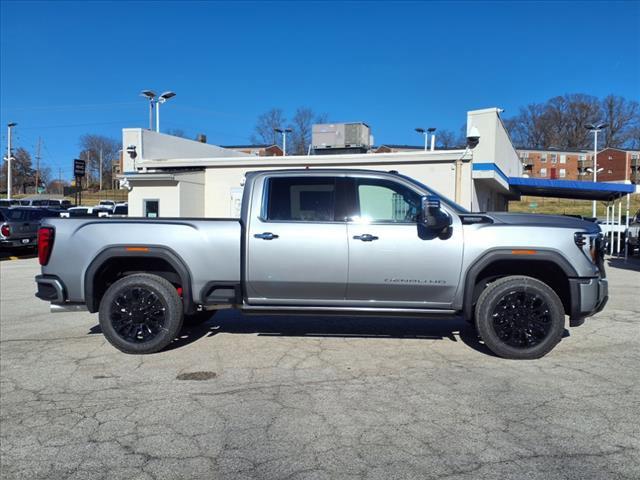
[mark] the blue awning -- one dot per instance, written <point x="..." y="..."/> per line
<point x="542" y="187"/>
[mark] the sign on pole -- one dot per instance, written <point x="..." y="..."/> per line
<point x="79" y="168"/>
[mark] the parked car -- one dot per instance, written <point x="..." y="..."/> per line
<point x="331" y="242"/>
<point x="4" y="203"/>
<point x="45" y="202"/>
<point x="633" y="234"/>
<point x="85" y="212"/>
<point x="120" y="210"/>
<point x="110" y="204"/>
<point x="19" y="227"/>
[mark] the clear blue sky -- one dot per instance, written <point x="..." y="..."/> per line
<point x="69" y="68"/>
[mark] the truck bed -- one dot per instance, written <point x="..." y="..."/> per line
<point x="208" y="248"/>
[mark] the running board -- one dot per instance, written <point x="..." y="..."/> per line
<point x="365" y="311"/>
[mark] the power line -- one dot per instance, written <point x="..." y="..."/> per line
<point x="72" y="107"/>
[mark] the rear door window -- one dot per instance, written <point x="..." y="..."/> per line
<point x="301" y="199"/>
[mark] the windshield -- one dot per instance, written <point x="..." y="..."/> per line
<point x="450" y="203"/>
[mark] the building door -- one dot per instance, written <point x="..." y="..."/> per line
<point x="297" y="247"/>
<point x="553" y="174"/>
<point x="392" y="260"/>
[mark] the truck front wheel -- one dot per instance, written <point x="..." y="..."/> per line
<point x="141" y="313"/>
<point x="519" y="317"/>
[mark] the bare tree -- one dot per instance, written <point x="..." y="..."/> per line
<point x="448" y="139"/>
<point x="622" y="117"/>
<point x="92" y="147"/>
<point x="22" y="172"/>
<point x="264" y="131"/>
<point x="527" y="128"/>
<point x="559" y="122"/>
<point x="176" y="132"/>
<point x="301" y="125"/>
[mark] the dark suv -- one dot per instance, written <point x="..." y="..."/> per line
<point x="19" y="225"/>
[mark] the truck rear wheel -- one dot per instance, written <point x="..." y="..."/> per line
<point x="519" y="317"/>
<point x="141" y="313"/>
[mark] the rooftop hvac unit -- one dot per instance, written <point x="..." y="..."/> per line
<point x="340" y="136"/>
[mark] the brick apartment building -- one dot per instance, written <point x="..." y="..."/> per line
<point x="617" y="164"/>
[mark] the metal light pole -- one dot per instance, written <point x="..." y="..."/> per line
<point x="162" y="99"/>
<point x="151" y="97"/>
<point x="595" y="129"/>
<point x="284" y="132"/>
<point x="9" y="127"/>
<point x="424" y="133"/>
<point x="433" y="138"/>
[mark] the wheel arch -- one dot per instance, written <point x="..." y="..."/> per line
<point x="159" y="260"/>
<point x="549" y="266"/>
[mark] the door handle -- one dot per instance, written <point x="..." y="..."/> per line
<point x="365" y="237"/>
<point x="266" y="235"/>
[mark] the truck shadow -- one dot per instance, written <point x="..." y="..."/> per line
<point x="619" y="262"/>
<point x="231" y="322"/>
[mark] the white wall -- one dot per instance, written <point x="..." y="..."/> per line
<point x="166" y="192"/>
<point x="151" y="145"/>
<point x="222" y="182"/>
<point x="181" y="197"/>
<point x="495" y="144"/>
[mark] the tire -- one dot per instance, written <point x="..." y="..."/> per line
<point x="141" y="314"/>
<point x="198" y="317"/>
<point x="519" y="318"/>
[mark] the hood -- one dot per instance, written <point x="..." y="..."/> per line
<point x="542" y="220"/>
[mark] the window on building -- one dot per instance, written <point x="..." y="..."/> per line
<point x="554" y="158"/>
<point x="635" y="156"/>
<point x="563" y="158"/>
<point x="543" y="172"/>
<point x="387" y="201"/>
<point x="305" y="199"/>
<point x="563" y="173"/>
<point x="151" y="208"/>
<point x="582" y="158"/>
<point x="543" y="158"/>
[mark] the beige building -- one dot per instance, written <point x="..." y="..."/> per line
<point x="174" y="177"/>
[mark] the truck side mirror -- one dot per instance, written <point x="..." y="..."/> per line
<point x="432" y="216"/>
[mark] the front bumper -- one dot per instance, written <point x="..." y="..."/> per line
<point x="588" y="297"/>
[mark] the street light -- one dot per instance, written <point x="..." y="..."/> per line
<point x="151" y="97"/>
<point x="284" y="132"/>
<point x="426" y="133"/>
<point x="595" y="129"/>
<point x="162" y="99"/>
<point x="423" y="132"/>
<point x="433" y="138"/>
<point x="9" y="158"/>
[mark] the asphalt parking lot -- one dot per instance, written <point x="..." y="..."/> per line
<point x="315" y="398"/>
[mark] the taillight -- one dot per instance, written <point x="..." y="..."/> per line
<point x="45" y="244"/>
<point x="5" y="230"/>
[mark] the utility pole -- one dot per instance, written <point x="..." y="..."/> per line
<point x="9" y="126"/>
<point x="60" y="181"/>
<point x="100" y="169"/>
<point x="38" y="166"/>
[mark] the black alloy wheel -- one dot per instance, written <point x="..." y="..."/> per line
<point x="519" y="317"/>
<point x="138" y="314"/>
<point x="141" y="313"/>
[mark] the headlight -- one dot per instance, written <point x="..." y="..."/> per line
<point x="591" y="245"/>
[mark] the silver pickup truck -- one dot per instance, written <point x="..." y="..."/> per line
<point x="337" y="241"/>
